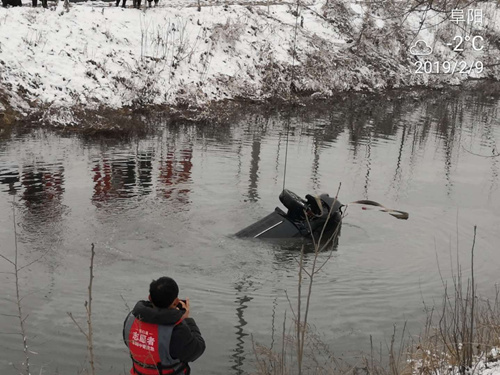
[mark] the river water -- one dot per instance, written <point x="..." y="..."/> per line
<point x="166" y="202"/>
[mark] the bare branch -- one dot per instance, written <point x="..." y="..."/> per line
<point x="8" y="260"/>
<point x="77" y="324"/>
<point x="125" y="302"/>
<point x="34" y="261"/>
<point x="89" y="312"/>
<point x="18" y="293"/>
<point x="290" y="303"/>
<point x="11" y="315"/>
<point x="494" y="155"/>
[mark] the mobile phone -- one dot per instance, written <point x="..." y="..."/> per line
<point x="179" y="305"/>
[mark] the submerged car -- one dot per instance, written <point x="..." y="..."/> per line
<point x="304" y="218"/>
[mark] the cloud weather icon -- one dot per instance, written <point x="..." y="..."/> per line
<point x="420" y="48"/>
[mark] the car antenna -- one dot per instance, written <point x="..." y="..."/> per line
<point x="292" y="85"/>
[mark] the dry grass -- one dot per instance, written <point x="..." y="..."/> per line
<point x="89" y="334"/>
<point x="446" y="345"/>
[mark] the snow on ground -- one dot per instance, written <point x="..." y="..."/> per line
<point x="120" y="57"/>
<point x="487" y="368"/>
<point x="485" y="364"/>
<point x="96" y="54"/>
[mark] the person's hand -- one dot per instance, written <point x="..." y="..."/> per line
<point x="185" y="306"/>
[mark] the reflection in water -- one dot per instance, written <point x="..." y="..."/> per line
<point x="145" y="165"/>
<point x="315" y="166"/>
<point x="175" y="175"/>
<point x="368" y="166"/>
<point x="119" y="176"/>
<point x="103" y="186"/>
<point x="367" y="123"/>
<point x="114" y="179"/>
<point x="447" y="126"/>
<point x="242" y="300"/>
<point x="277" y="161"/>
<point x="122" y="176"/>
<point x="9" y="175"/>
<point x="490" y="142"/>
<point x="42" y="186"/>
<point x="398" y="173"/>
<point x="42" y="197"/>
<point x="273" y="322"/>
<point x="253" y="194"/>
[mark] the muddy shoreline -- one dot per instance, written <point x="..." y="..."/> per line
<point x="126" y="121"/>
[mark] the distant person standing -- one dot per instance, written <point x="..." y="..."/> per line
<point x="123" y="3"/>
<point x="159" y="333"/>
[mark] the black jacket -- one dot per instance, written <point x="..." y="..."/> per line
<point x="186" y="344"/>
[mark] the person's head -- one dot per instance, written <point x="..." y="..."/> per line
<point x="163" y="292"/>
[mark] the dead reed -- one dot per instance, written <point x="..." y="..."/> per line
<point x="88" y="308"/>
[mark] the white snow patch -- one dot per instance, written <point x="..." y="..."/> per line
<point x="358" y="8"/>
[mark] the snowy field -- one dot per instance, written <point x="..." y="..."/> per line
<point x="96" y="54"/>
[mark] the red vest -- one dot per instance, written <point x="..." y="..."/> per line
<point x="145" y="341"/>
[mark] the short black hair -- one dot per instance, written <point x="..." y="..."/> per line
<point x="163" y="291"/>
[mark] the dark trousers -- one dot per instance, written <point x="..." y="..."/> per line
<point x="136" y="3"/>
<point x="14" y="3"/>
<point x="34" y="3"/>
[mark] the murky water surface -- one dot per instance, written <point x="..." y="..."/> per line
<point x="166" y="203"/>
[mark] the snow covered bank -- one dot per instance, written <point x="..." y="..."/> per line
<point x="98" y="55"/>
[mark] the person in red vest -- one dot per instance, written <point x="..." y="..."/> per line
<point x="159" y="333"/>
